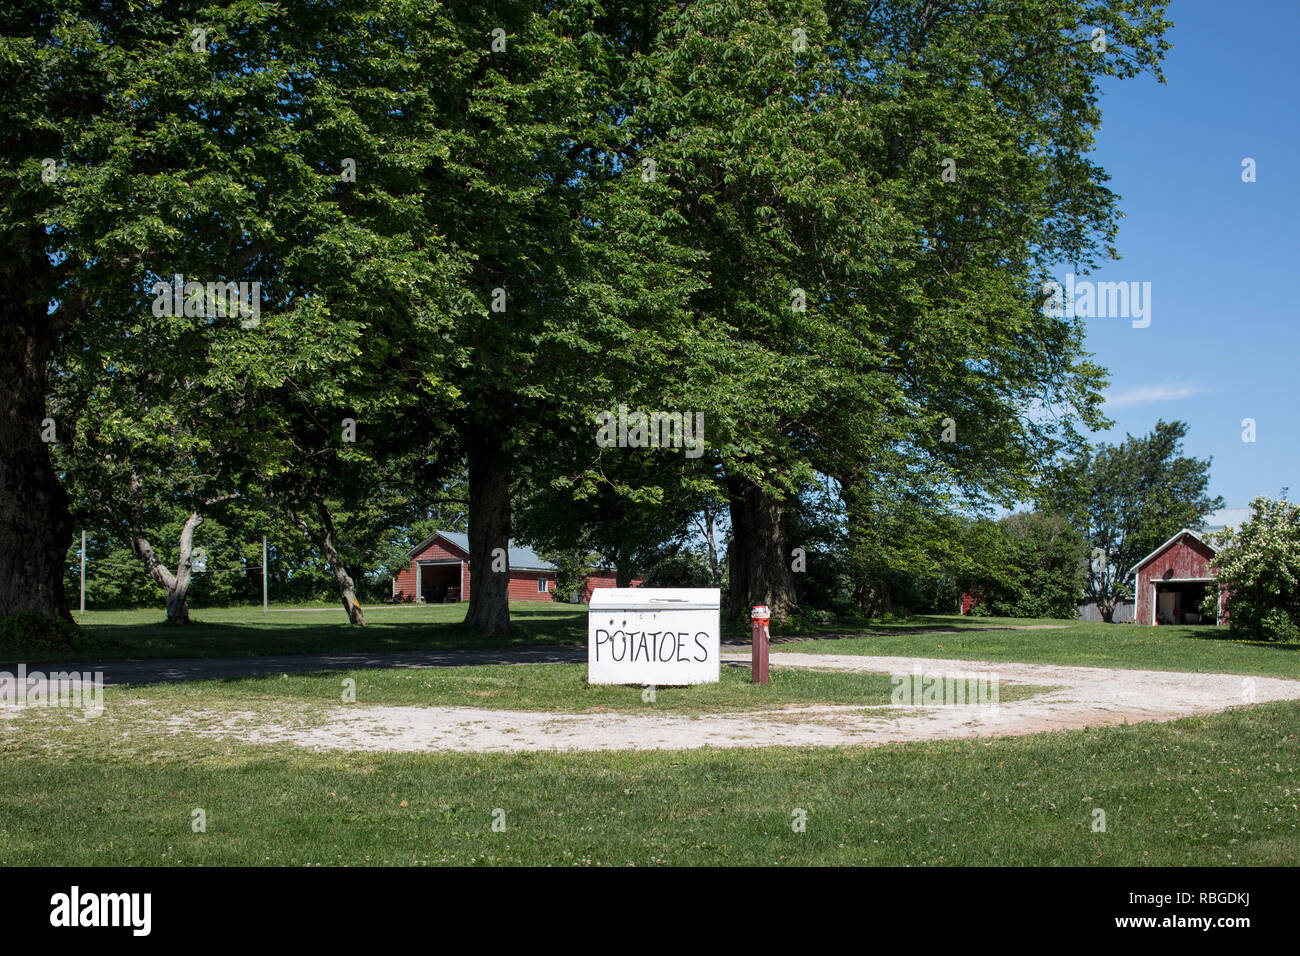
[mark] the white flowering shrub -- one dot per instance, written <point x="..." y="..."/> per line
<point x="1259" y="564"/>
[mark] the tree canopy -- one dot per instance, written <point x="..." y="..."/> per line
<point x="321" y="258"/>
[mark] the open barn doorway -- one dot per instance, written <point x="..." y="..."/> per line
<point x="1179" y="602"/>
<point x="440" y="582"/>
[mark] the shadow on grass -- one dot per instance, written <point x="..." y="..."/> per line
<point x="140" y="635"/>
<point x="1224" y="636"/>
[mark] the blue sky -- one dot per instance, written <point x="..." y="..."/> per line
<point x="1221" y="255"/>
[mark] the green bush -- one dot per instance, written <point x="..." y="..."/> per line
<point x="1279" y="625"/>
<point x="29" y="631"/>
<point x="1031" y="564"/>
<point x="807" y="619"/>
<point x="1259" y="566"/>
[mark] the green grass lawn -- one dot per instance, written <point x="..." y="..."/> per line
<point x="243" y="631"/>
<point x="235" y="632"/>
<point x="561" y="688"/>
<point x="1220" y="790"/>
<point x="1083" y="643"/>
<point x="121" y="788"/>
<point x="323" y="628"/>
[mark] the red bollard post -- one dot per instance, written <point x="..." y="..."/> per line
<point x="759" y="618"/>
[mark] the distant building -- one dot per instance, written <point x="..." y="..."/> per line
<point x="1172" y="581"/>
<point x="438" y="572"/>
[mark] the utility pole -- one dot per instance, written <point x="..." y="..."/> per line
<point x="264" y="600"/>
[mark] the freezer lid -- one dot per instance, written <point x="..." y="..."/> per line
<point x="656" y="599"/>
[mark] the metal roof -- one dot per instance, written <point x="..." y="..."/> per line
<point x="521" y="558"/>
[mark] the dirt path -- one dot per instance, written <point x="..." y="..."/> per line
<point x="1082" y="697"/>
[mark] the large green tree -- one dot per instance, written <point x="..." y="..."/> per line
<point x="145" y="141"/>
<point x="562" y="265"/>
<point x="737" y="207"/>
<point x="218" y="143"/>
<point x="876" y="193"/>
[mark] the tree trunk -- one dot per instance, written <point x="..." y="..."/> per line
<point x="760" y="554"/>
<point x="707" y="524"/>
<point x="35" y="525"/>
<point x="347" y="587"/>
<point x="1101" y="589"/>
<point x="324" y="542"/>
<point x="874" y="598"/>
<point x="178" y="610"/>
<point x="624" y="572"/>
<point x="489" y="539"/>
<point x="176" y="585"/>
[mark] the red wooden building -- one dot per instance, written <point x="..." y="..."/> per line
<point x="1173" y="580"/>
<point x="437" y="572"/>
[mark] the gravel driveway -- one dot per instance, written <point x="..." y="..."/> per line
<point x="1081" y="697"/>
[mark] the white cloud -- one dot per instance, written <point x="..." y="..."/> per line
<point x="1147" y="394"/>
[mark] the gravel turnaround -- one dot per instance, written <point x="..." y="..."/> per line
<point x="1079" y="697"/>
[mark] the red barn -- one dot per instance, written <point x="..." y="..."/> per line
<point x="438" y="572"/>
<point x="1173" y="580"/>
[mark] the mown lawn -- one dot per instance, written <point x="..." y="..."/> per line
<point x="240" y="632"/>
<point x="246" y="631"/>
<point x="560" y="688"/>
<point x="1083" y="643"/>
<point x="1220" y="790"/>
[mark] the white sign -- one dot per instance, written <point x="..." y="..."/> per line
<point x="660" y="636"/>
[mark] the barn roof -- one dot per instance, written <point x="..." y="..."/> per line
<point x="1194" y="534"/>
<point x="1214" y="521"/>
<point x="521" y="558"/>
